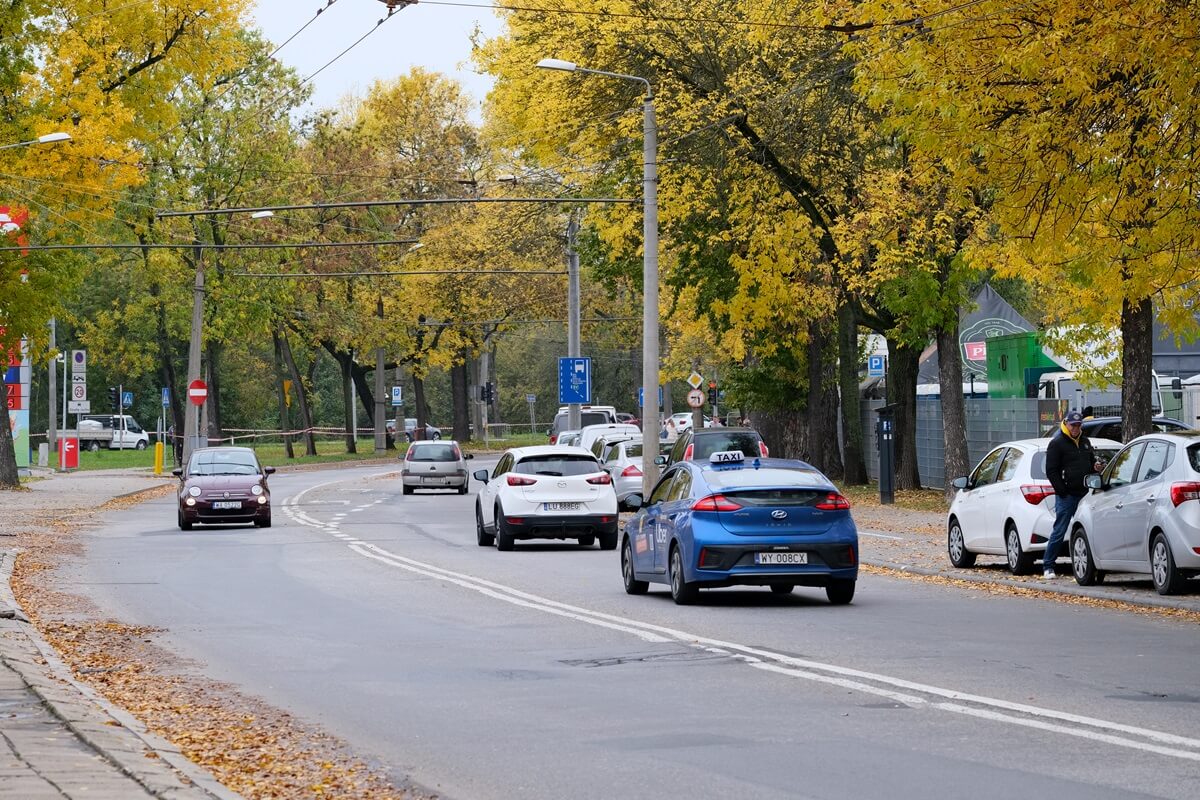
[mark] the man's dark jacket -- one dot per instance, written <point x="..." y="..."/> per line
<point x="1067" y="463"/>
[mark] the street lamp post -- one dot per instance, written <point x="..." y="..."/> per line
<point x="650" y="416"/>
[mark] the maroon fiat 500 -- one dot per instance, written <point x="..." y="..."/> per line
<point x="222" y="485"/>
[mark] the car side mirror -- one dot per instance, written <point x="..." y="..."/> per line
<point x="178" y="473"/>
<point x="268" y="470"/>
<point x="467" y="456"/>
<point x="960" y="483"/>
<point x="634" y="501"/>
<point x="480" y="475"/>
<point x="660" y="461"/>
<point x="1093" y="481"/>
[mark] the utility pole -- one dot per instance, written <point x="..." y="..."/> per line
<point x="52" y="424"/>
<point x="191" y="412"/>
<point x="380" y="388"/>
<point x="574" y="410"/>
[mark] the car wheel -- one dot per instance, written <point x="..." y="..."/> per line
<point x="956" y="546"/>
<point x="263" y="523"/>
<point x="1019" y="562"/>
<point x="1166" y="576"/>
<point x="462" y="489"/>
<point x="94" y="446"/>
<point x="782" y="588"/>
<point x="406" y="489"/>
<point x="682" y="592"/>
<point x="184" y="525"/>
<point x="504" y="537"/>
<point x="608" y="541"/>
<point x="482" y="537"/>
<point x="140" y="445"/>
<point x="632" y="584"/>
<point x="1082" y="565"/>
<point x="840" y="592"/>
<point x="437" y="434"/>
<point x="587" y="541"/>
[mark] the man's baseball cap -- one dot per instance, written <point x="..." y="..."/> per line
<point x="1073" y="417"/>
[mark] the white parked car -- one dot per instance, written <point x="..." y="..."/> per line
<point x="546" y="492"/>
<point x="1006" y="506"/>
<point x="683" y="421"/>
<point x="1143" y="514"/>
<point x="588" y="434"/>
<point x="623" y="462"/>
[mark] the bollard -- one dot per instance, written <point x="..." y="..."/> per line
<point x="158" y="458"/>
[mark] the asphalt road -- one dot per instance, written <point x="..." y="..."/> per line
<point x="531" y="674"/>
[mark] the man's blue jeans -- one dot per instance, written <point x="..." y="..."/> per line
<point x="1064" y="509"/>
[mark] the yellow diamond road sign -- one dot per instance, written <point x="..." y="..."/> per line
<point x="695" y="379"/>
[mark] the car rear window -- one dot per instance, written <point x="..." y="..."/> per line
<point x="585" y="418"/>
<point x="778" y="497"/>
<point x="633" y="451"/>
<point x="726" y="479"/>
<point x="707" y="443"/>
<point x="557" y="465"/>
<point x="434" y="452"/>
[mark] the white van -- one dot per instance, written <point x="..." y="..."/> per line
<point x="114" y="431"/>
<point x="1064" y="386"/>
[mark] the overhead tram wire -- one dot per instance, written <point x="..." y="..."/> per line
<point x="394" y="273"/>
<point x="321" y="10"/>
<point x="205" y="212"/>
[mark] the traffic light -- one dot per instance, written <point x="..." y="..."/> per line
<point x="712" y="393"/>
<point x="489" y="392"/>
<point x="114" y="400"/>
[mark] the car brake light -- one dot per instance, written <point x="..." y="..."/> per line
<point x="601" y="479"/>
<point x="687" y="454"/>
<point x="408" y="455"/>
<point x="520" y="480"/>
<point x="554" y="438"/>
<point x="1182" y="492"/>
<point x="631" y="472"/>
<point x="834" y="502"/>
<point x="709" y="559"/>
<point x="457" y="453"/>
<point x="1035" y="493"/>
<point x="716" y="502"/>
<point x="765" y="453"/>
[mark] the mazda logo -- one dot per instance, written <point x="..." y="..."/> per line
<point x="779" y="514"/>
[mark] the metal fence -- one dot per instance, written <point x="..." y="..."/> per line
<point x="990" y="422"/>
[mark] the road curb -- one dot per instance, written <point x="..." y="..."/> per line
<point x="117" y="736"/>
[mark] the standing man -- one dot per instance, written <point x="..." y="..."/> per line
<point x="1069" y="459"/>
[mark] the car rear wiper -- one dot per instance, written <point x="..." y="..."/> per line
<point x="549" y="472"/>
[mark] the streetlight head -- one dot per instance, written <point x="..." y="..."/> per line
<point x="262" y="214"/>
<point x="50" y="138"/>
<point x="557" y="63"/>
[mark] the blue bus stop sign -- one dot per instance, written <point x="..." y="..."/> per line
<point x="574" y="381"/>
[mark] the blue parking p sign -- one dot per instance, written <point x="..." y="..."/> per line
<point x="875" y="367"/>
<point x="574" y="381"/>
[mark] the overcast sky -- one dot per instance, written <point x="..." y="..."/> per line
<point x="431" y="36"/>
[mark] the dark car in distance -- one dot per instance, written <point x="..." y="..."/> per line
<point x="698" y="445"/>
<point x="221" y="485"/>
<point x="1110" y="427"/>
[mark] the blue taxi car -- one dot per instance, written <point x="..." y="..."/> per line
<point x="736" y="522"/>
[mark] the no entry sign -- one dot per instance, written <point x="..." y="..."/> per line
<point x="198" y="392"/>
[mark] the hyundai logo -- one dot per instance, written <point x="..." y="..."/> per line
<point x="779" y="514"/>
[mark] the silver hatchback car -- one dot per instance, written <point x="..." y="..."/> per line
<point x="434" y="465"/>
<point x="1142" y="514"/>
<point x="623" y="463"/>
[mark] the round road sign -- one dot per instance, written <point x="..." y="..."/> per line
<point x="695" y="398"/>
<point x="198" y="392"/>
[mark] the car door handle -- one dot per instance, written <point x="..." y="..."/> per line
<point x="1150" y="499"/>
<point x="1119" y="506"/>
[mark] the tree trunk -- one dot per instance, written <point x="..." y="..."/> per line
<point x="458" y="395"/>
<point x="785" y="432"/>
<point x="1137" y="343"/>
<point x="854" y="467"/>
<point x="366" y="392"/>
<point x="310" y="443"/>
<point x="285" y="423"/>
<point x="346" y="362"/>
<point x="215" y="353"/>
<point x="822" y="416"/>
<point x="9" y="477"/>
<point x="419" y="402"/>
<point x="903" y="362"/>
<point x="954" y="411"/>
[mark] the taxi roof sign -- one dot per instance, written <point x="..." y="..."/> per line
<point x="727" y="457"/>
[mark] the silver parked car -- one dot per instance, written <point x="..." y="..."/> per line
<point x="434" y="465"/>
<point x="623" y="463"/>
<point x="1143" y="514"/>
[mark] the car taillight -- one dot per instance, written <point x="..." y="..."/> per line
<point x="1035" y="493"/>
<point x="457" y="453"/>
<point x="1182" y="492"/>
<point x="687" y="454"/>
<point x="600" y="480"/>
<point x="834" y="502"/>
<point x="408" y="455"/>
<point x="631" y="472"/>
<point x="716" y="502"/>
<point x="520" y="480"/>
<point x="765" y="453"/>
<point x="554" y="438"/>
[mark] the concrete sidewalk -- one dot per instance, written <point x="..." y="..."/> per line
<point x="59" y="738"/>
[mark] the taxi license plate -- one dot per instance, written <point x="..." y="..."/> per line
<point x="781" y="558"/>
<point x="222" y="505"/>
<point x="440" y="481"/>
<point x="560" y="506"/>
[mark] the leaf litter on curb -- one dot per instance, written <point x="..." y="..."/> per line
<point x="259" y="751"/>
